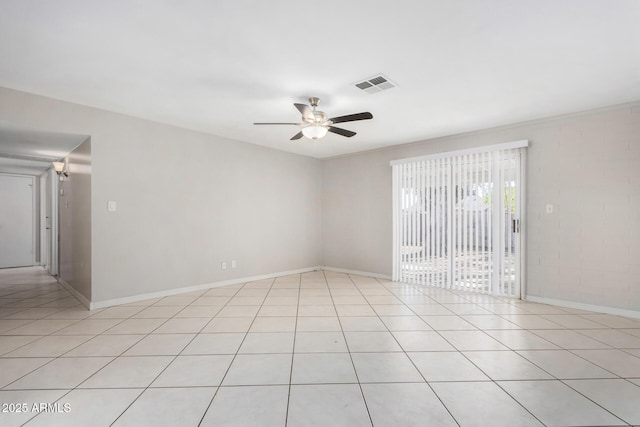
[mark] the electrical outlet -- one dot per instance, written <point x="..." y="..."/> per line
<point x="223" y="265"/>
<point x="234" y="263"/>
<point x="112" y="206"/>
<point x="549" y="208"/>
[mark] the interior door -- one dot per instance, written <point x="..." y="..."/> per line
<point x="16" y="221"/>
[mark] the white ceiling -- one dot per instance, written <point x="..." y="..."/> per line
<point x="219" y="66"/>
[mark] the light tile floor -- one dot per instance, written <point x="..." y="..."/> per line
<point x="317" y="349"/>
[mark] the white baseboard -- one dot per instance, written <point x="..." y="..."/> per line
<point x="176" y="291"/>
<point x="587" y="307"/>
<point x="356" y="272"/>
<point x="75" y="293"/>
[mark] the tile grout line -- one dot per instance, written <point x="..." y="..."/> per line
<point x="344" y="337"/>
<point x="293" y="351"/>
<point x="204" y="414"/>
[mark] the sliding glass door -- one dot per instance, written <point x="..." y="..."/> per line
<point x="457" y="220"/>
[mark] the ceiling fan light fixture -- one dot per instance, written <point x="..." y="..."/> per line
<point x="314" y="131"/>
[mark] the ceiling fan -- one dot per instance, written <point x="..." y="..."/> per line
<point x="315" y="123"/>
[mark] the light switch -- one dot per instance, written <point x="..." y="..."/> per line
<point x="549" y="208"/>
<point x="112" y="206"/>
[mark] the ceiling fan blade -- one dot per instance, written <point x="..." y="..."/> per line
<point x="296" y="136"/>
<point x="341" y="131"/>
<point x="306" y="111"/>
<point x="296" y="124"/>
<point x="352" y="117"/>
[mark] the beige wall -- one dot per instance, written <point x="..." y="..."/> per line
<point x="587" y="165"/>
<point x="74" y="221"/>
<point x="186" y="200"/>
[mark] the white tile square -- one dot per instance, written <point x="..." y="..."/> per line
<point x="422" y="341"/>
<point x="554" y="403"/>
<point x="488" y="322"/>
<point x="318" y="324"/>
<point x="448" y="323"/>
<point x="446" y="366"/>
<point x="278" y="311"/>
<point x="371" y="342"/>
<point x="316" y="310"/>
<point x="128" y="372"/>
<point x="117" y="312"/>
<point x="362" y="324"/>
<point x="182" y="326"/>
<point x="228" y="324"/>
<point x="521" y="340"/>
<point x="281" y="300"/>
<point x="10" y="343"/>
<point x="385" y="368"/>
<point x="613" y="337"/>
<point x="12" y="369"/>
<point x="411" y="404"/>
<point x="570" y="340"/>
<point x="273" y="324"/>
<point x="472" y="340"/>
<point x="355" y="310"/>
<point x="248" y="406"/>
<point x="239" y="311"/>
<point x="245" y="300"/>
<point x="320" y="342"/>
<point x="616" y="361"/>
<point x="51" y="346"/>
<point x="158" y="312"/>
<point x="176" y="300"/>
<point x="430" y="310"/>
<point x="318" y="368"/>
<point x="259" y="369"/>
<point x="223" y="343"/>
<point x="211" y="301"/>
<point x="336" y="405"/>
<point x="136" y="326"/>
<point x="168" y="407"/>
<point x="405" y="323"/>
<point x="88" y="327"/>
<point x="61" y="373"/>
<point x="484" y="404"/>
<point x="506" y="365"/>
<point x="564" y="365"/>
<point x="206" y="311"/>
<point x="160" y="345"/>
<point x="616" y="395"/>
<point x="267" y="342"/>
<point x="105" y="345"/>
<point x="42" y="327"/>
<point x="194" y="371"/>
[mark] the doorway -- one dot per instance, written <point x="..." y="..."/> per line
<point x="458" y="220"/>
<point x="17" y="221"/>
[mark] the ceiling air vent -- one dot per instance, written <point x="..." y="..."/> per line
<point x="375" y="84"/>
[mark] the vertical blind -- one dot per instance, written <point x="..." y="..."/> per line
<point x="456" y="220"/>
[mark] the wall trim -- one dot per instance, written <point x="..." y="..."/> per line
<point x="176" y="291"/>
<point x="356" y="272"/>
<point x="73" y="291"/>
<point x="581" y="306"/>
